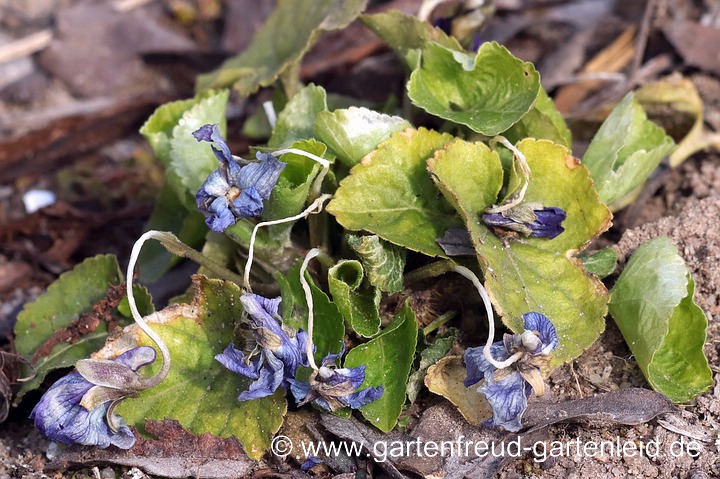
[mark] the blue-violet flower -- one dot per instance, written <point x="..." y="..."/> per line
<point x="508" y="389"/>
<point x="333" y="388"/>
<point x="233" y="191"/>
<point x="279" y="349"/>
<point x="529" y="219"/>
<point x="79" y="407"/>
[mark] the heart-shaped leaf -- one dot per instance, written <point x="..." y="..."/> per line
<point x="199" y="392"/>
<point x="488" y="93"/>
<point x="390" y="194"/>
<point x="70" y="296"/>
<point x="532" y="274"/>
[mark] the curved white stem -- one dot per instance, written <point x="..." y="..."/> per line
<point x="524" y="168"/>
<point x="164" y="352"/>
<point x="314" y="208"/>
<point x="487" y="351"/>
<point x="311" y="315"/>
<point x="325" y="164"/>
<point x="270" y="113"/>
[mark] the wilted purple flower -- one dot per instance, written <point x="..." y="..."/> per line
<point x="530" y="219"/>
<point x="333" y="388"/>
<point x="279" y="350"/>
<point x="233" y="191"/>
<point x="79" y="407"/>
<point x="507" y="390"/>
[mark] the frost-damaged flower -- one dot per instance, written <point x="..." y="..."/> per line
<point x="508" y="389"/>
<point x="79" y="407"/>
<point x="279" y="349"/>
<point x="529" y="219"/>
<point x="233" y="191"/>
<point x="333" y="388"/>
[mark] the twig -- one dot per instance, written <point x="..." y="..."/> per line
<point x="26" y="46"/>
<point x="642" y="38"/>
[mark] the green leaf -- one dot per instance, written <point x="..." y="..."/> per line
<point x="601" y="263"/>
<point x="542" y="122"/>
<point x="384" y="263"/>
<point x="296" y="120"/>
<point x="199" y="392"/>
<point x="652" y="304"/>
<point x="390" y="193"/>
<point x="329" y="328"/>
<point x="143" y="301"/>
<point x="357" y="300"/>
<point x="533" y="274"/>
<point x="407" y="34"/>
<point x="70" y="296"/>
<point x="191" y="160"/>
<point x="288" y="34"/>
<point x="488" y="93"/>
<point x="429" y="356"/>
<point x="625" y="151"/>
<point x="388" y="358"/>
<point x="354" y="132"/>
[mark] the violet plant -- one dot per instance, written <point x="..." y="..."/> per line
<point x="373" y="197"/>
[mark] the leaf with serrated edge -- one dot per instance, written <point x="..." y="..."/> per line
<point x="533" y="274"/>
<point x="488" y="93"/>
<point x="389" y="193"/>
<point x="71" y="295"/>
<point x="281" y="42"/>
<point x="384" y="263"/>
<point x="357" y="300"/>
<point x="199" y="392"/>
<point x="388" y="357"/>
<point x="652" y="304"/>
<point x="354" y="132"/>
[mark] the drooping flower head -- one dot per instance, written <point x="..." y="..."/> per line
<point x="507" y="390"/>
<point x="233" y="191"/>
<point x="79" y="408"/>
<point x="333" y="388"/>
<point x="529" y="219"/>
<point x="279" y="350"/>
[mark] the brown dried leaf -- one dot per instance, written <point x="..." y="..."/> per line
<point x="697" y="44"/>
<point x="175" y="453"/>
<point x="447" y="378"/>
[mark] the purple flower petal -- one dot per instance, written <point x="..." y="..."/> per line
<point x="478" y="366"/>
<point x="508" y="399"/>
<point x="212" y="134"/>
<point x="60" y="418"/>
<point x="546" y="331"/>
